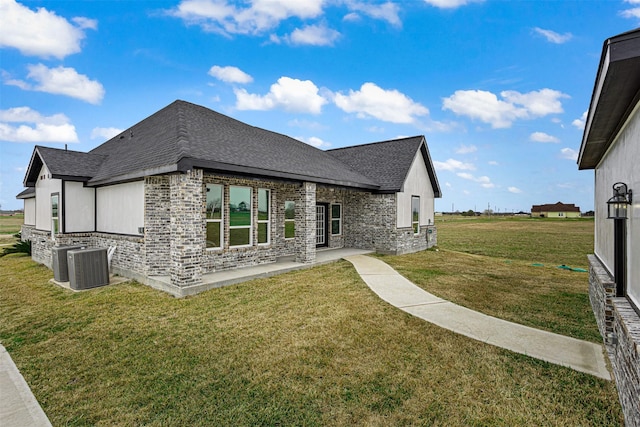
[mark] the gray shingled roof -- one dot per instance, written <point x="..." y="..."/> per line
<point x="184" y="135"/>
<point x="27" y="193"/>
<point x="62" y="164"/>
<point x="388" y="162"/>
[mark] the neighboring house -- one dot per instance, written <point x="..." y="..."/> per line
<point x="611" y="146"/>
<point x="189" y="191"/>
<point x="555" y="210"/>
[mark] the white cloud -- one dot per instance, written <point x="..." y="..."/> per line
<point x="501" y="113"/>
<point x="105" y="133"/>
<point x="34" y="127"/>
<point x="293" y="95"/>
<point x="633" y="12"/>
<point x="386" y="11"/>
<point x="85" y="23"/>
<point x="314" y="35"/>
<point x="386" y="105"/>
<point x="514" y="190"/>
<point x="554" y="37"/>
<point x="466" y="149"/>
<point x="569" y="154"/>
<point x="230" y="74"/>
<point x="580" y="123"/>
<point x="315" y="142"/>
<point x="450" y="4"/>
<point x="453" y="165"/>
<point x="61" y="81"/>
<point x="41" y="33"/>
<point x="484" y="181"/>
<point x="543" y="137"/>
<point x="493" y="163"/>
<point x="219" y="16"/>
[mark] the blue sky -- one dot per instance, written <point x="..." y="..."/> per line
<point x="499" y="88"/>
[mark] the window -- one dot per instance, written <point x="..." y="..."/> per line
<point x="264" y="214"/>
<point x="289" y="220"/>
<point x="415" y="214"/>
<point x="55" y="222"/>
<point x="239" y="216"/>
<point x="214" y="216"/>
<point x="336" y="220"/>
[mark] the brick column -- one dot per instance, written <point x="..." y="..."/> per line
<point x="157" y="225"/>
<point x="187" y="228"/>
<point x="305" y="242"/>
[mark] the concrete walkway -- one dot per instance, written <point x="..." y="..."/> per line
<point x="18" y="406"/>
<point x="580" y="355"/>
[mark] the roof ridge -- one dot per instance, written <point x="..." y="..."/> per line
<point x="376" y="142"/>
<point x="182" y="131"/>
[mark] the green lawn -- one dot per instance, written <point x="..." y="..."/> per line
<point x="314" y="347"/>
<point x="11" y="224"/>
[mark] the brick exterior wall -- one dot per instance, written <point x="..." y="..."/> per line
<point x="619" y="325"/>
<point x="305" y="241"/>
<point x="157" y="225"/>
<point x="174" y="241"/>
<point x="25" y="232"/>
<point x="187" y="228"/>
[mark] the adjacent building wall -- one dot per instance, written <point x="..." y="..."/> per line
<point x="120" y="208"/>
<point x="618" y="321"/>
<point x="620" y="164"/>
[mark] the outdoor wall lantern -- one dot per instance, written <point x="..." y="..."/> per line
<point x="617" y="205"/>
<point x="617" y="210"/>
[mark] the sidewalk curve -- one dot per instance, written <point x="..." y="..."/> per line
<point x="395" y="289"/>
<point x="18" y="406"/>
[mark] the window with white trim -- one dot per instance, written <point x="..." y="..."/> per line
<point x="214" y="216"/>
<point x="264" y="216"/>
<point x="55" y="219"/>
<point x="240" y="216"/>
<point x="336" y="219"/>
<point x="415" y="214"/>
<point x="289" y="220"/>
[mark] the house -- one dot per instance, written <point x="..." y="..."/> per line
<point x="611" y="147"/>
<point x="189" y="191"/>
<point x="555" y="210"/>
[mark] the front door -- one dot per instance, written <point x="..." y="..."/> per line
<point x="321" y="225"/>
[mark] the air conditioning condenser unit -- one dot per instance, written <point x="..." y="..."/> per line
<point x="88" y="268"/>
<point x="59" y="261"/>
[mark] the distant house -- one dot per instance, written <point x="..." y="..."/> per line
<point x="189" y="191"/>
<point x="611" y="147"/>
<point x="555" y="210"/>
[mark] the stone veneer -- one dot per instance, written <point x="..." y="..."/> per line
<point x="173" y="246"/>
<point x="619" y="326"/>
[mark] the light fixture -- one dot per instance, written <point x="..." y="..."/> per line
<point x="617" y="205"/>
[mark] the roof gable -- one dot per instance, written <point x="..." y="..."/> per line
<point x="65" y="164"/>
<point x="388" y="162"/>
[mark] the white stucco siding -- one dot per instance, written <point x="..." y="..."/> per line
<point x="120" y="208"/>
<point x="79" y="203"/>
<point x="417" y="183"/>
<point x="621" y="164"/>
<point x="30" y="211"/>
<point x="45" y="187"/>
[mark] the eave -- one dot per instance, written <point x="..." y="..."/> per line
<point x="615" y="94"/>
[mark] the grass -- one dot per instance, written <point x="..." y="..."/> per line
<point x="11" y="224"/>
<point x="508" y="268"/>
<point x="312" y="347"/>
